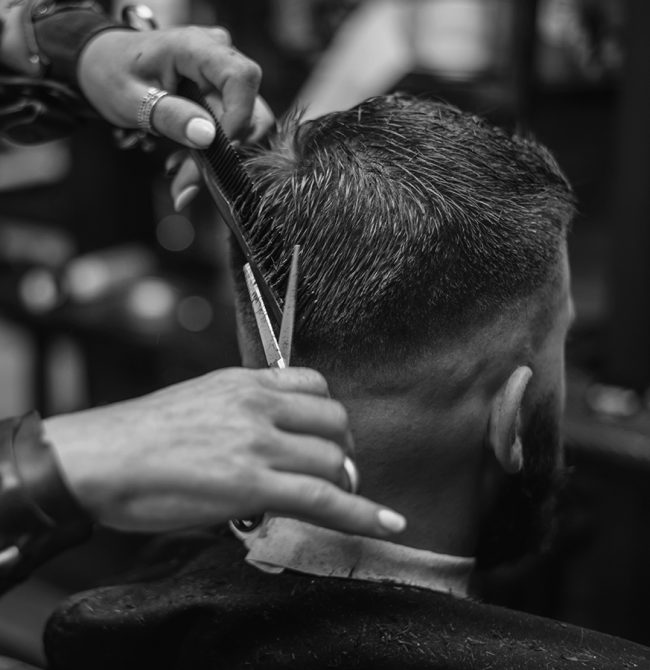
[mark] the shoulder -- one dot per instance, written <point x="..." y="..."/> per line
<point x="218" y="612"/>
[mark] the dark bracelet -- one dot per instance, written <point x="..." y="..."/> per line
<point x="38" y="469"/>
<point x="39" y="516"/>
<point x="41" y="99"/>
<point x="61" y="30"/>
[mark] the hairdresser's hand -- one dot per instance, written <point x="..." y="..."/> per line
<point x="118" y="66"/>
<point x="231" y="444"/>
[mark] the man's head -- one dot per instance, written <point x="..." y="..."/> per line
<point x="433" y="281"/>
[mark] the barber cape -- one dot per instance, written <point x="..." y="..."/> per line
<point x="217" y="604"/>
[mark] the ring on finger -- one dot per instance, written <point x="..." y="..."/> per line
<point x="146" y="108"/>
<point x="352" y="474"/>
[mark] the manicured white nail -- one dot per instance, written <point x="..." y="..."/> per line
<point x="172" y="162"/>
<point x="184" y="197"/>
<point x="391" y="521"/>
<point x="200" y="132"/>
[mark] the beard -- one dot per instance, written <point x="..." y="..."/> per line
<point x="522" y="520"/>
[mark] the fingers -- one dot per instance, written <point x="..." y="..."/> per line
<point x="186" y="184"/>
<point x="299" y="380"/>
<point x="262" y="121"/>
<point x="324" y="504"/>
<point x="214" y="65"/>
<point x="304" y="455"/>
<point x="238" y="83"/>
<point x="314" y="415"/>
<point x="183" y="121"/>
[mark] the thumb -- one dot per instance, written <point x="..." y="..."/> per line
<point x="183" y="121"/>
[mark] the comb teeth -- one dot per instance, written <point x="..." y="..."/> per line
<point x="223" y="168"/>
<point x="224" y="163"/>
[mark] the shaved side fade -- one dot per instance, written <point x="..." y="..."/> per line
<point x="416" y="221"/>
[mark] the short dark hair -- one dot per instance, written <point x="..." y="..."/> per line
<point x="414" y="218"/>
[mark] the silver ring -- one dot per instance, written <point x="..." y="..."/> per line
<point x="148" y="103"/>
<point x="352" y="474"/>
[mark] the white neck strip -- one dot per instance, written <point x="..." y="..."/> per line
<point x="281" y="543"/>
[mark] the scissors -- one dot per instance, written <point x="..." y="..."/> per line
<point x="278" y="354"/>
<point x="276" y="350"/>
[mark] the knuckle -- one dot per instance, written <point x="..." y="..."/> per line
<point x="240" y="380"/>
<point x="261" y="401"/>
<point x="253" y="73"/>
<point x="249" y="436"/>
<point x="313" y="380"/>
<point x="192" y="34"/>
<point x="226" y="374"/>
<point x="245" y="71"/>
<point x="222" y="35"/>
<point x="339" y="416"/>
<point x="274" y="374"/>
<point x="263" y="444"/>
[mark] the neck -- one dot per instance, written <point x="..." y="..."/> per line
<point x="422" y="466"/>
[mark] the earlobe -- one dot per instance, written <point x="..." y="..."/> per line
<point x="503" y="430"/>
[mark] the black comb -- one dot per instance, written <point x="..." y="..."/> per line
<point x="231" y="189"/>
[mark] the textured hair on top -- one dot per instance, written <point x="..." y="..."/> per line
<point x="415" y="220"/>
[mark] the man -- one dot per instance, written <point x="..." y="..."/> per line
<point x="435" y="297"/>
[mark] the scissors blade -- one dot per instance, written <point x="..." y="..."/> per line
<point x="289" y="312"/>
<point x="272" y="351"/>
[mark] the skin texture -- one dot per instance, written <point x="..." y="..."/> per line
<point x="231" y="444"/>
<point x="117" y="67"/>
<point x="426" y="447"/>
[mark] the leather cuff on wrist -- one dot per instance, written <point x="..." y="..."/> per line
<point x="33" y="494"/>
<point x="39" y="516"/>
<point x="62" y="30"/>
<point x="39" y="473"/>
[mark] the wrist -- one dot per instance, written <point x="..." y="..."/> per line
<point x="39" y="517"/>
<point x="94" y="76"/>
<point x="70" y="443"/>
<point x="39" y="471"/>
<point x="62" y="30"/>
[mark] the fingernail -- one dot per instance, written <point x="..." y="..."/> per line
<point x="391" y="521"/>
<point x="172" y="170"/>
<point x="173" y="164"/>
<point x="200" y="132"/>
<point x="184" y="197"/>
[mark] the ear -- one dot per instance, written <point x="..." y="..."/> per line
<point x="503" y="429"/>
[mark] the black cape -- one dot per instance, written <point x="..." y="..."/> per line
<point x="217" y="612"/>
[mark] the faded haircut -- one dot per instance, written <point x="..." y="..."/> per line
<point x="416" y="220"/>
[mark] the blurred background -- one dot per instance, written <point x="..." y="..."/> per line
<point x="106" y="293"/>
